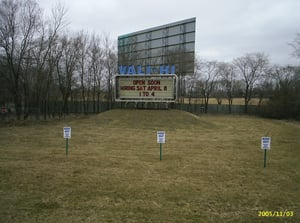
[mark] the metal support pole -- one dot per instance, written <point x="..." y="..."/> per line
<point x="265" y="158"/>
<point x="160" y="153"/>
<point x="67" y="142"/>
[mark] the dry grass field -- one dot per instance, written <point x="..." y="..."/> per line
<point x="212" y="169"/>
<point x="236" y="101"/>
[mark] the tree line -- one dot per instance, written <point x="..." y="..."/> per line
<point x="41" y="62"/>
<point x="249" y="76"/>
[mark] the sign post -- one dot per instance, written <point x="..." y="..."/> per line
<point x="67" y="136"/>
<point x="265" y="145"/>
<point x="161" y="138"/>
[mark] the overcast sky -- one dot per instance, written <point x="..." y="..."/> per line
<point x="225" y="29"/>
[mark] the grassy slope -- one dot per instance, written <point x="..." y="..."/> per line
<point x="212" y="169"/>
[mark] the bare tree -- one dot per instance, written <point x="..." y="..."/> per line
<point x="251" y="68"/>
<point x="296" y="46"/>
<point x="227" y="75"/>
<point x="25" y="40"/>
<point x="19" y="20"/>
<point x="37" y="61"/>
<point x="184" y="63"/>
<point x="280" y="74"/>
<point x="110" y="63"/>
<point x="47" y="36"/>
<point x="209" y="75"/>
<point x="66" y="61"/>
<point x="84" y="76"/>
<point x="191" y="80"/>
<point x="284" y="99"/>
<point x="96" y="67"/>
<point x="219" y="91"/>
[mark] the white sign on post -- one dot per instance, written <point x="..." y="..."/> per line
<point x="161" y="137"/>
<point x="67" y="132"/>
<point x="266" y="142"/>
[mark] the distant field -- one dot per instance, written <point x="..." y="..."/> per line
<point x="213" y="101"/>
<point x="212" y="169"/>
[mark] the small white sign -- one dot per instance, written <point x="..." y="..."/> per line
<point x="67" y="132"/>
<point x="266" y="142"/>
<point x="161" y="137"/>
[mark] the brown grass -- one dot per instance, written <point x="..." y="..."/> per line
<point x="224" y="101"/>
<point x="212" y="169"/>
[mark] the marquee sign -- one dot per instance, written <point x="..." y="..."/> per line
<point x="147" y="88"/>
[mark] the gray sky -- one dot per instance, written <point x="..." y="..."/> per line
<point x="225" y="29"/>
